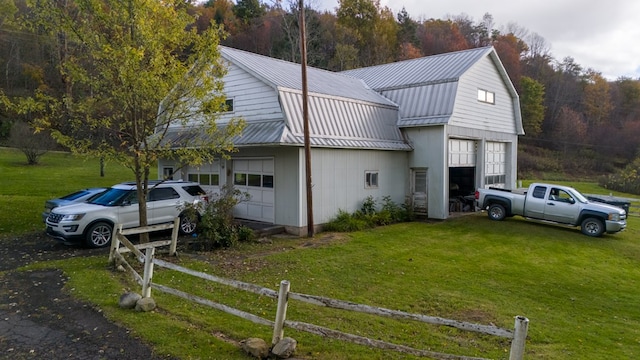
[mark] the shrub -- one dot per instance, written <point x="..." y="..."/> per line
<point x="368" y="216"/>
<point x="345" y="222"/>
<point x="626" y="180"/>
<point x="217" y="225"/>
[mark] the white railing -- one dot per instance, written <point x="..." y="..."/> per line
<point x="517" y="336"/>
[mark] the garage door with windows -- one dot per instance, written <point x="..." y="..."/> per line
<point x="495" y="172"/>
<point x="255" y="177"/>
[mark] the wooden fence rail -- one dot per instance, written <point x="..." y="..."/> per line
<point x="518" y="336"/>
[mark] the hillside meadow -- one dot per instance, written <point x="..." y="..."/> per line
<point x="580" y="294"/>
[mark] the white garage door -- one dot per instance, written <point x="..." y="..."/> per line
<point x="462" y="153"/>
<point x="495" y="164"/>
<point x="256" y="177"/>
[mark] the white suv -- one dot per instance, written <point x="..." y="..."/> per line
<point x="94" y="220"/>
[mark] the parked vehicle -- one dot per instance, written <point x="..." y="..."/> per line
<point x="79" y="196"/>
<point x="553" y="203"/>
<point x="94" y="220"/>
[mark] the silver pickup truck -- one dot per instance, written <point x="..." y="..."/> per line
<point x="554" y="203"/>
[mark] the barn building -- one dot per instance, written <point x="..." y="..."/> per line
<point x="426" y="131"/>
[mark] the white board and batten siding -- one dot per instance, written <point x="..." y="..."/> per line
<point x="339" y="179"/>
<point x="473" y="114"/>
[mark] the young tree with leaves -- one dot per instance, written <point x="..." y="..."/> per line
<point x="532" y="105"/>
<point x="137" y="72"/>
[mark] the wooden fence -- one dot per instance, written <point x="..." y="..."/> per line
<point x="517" y="336"/>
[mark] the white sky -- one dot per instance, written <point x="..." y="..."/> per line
<point x="602" y="35"/>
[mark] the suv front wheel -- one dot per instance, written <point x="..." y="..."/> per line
<point x="99" y="235"/>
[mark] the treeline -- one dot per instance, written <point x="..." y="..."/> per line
<point x="590" y="123"/>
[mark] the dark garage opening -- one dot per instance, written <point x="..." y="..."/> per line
<point x="462" y="187"/>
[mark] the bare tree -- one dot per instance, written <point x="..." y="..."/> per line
<point x="33" y="144"/>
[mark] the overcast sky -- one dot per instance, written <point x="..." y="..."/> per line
<point x="603" y="35"/>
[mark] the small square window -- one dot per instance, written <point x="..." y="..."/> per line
<point x="370" y="179"/>
<point x="240" y="179"/>
<point x="167" y="173"/>
<point x="486" y="96"/>
<point x="254" y="180"/>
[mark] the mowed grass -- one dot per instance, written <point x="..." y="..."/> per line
<point x="581" y="294"/>
<point x="24" y="189"/>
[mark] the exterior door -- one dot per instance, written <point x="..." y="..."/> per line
<point x="419" y="196"/>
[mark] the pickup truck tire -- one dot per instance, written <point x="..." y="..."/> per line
<point x="497" y="212"/>
<point x="99" y="235"/>
<point x="592" y="227"/>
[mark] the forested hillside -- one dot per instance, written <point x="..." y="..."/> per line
<point x="576" y="121"/>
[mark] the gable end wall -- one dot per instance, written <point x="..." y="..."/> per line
<point x="471" y="113"/>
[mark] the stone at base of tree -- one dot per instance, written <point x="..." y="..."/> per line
<point x="255" y="347"/>
<point x="120" y="268"/>
<point x="285" y="348"/>
<point x="129" y="300"/>
<point x="145" y="304"/>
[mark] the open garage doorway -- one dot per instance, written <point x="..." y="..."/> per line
<point x="462" y="187"/>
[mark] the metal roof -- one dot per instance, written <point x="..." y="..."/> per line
<point x="426" y="70"/>
<point x="276" y="133"/>
<point x="334" y="122"/>
<point x="343" y="111"/>
<point x="285" y="74"/>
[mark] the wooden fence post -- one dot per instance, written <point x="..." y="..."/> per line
<point x="281" y="312"/>
<point x="148" y="272"/>
<point x="115" y="243"/>
<point x="519" y="338"/>
<point x="174" y="237"/>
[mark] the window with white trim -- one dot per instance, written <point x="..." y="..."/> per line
<point x="252" y="179"/>
<point x="205" y="178"/>
<point x="486" y="96"/>
<point x="167" y="173"/>
<point x="370" y="179"/>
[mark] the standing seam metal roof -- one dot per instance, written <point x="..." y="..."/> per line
<point x="284" y="74"/>
<point x="434" y="69"/>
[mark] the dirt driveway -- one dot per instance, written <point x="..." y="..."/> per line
<point x="38" y="320"/>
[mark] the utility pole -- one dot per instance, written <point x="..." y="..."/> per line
<point x="305" y="117"/>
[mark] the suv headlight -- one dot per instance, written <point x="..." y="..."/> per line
<point x="614" y="217"/>
<point x="72" y="217"/>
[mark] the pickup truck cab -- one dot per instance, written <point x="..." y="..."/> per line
<point x="553" y="203"/>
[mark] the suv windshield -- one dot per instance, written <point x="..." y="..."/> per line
<point x="113" y="197"/>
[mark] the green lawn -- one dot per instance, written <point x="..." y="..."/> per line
<point x="580" y="294"/>
<point x="24" y="189"/>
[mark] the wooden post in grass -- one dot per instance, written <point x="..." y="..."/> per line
<point x="148" y="272"/>
<point x="115" y="242"/>
<point x="519" y="338"/>
<point x="281" y="312"/>
<point x="174" y="236"/>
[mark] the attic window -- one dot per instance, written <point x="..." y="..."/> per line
<point x="228" y="105"/>
<point x="486" y="96"/>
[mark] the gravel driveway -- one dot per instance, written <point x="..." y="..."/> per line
<point x="38" y="320"/>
